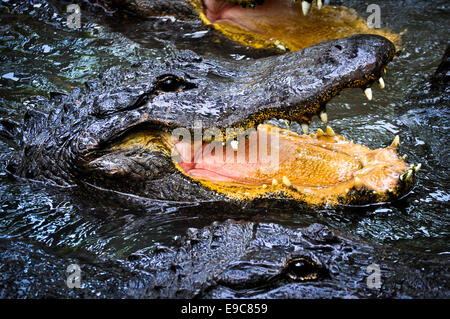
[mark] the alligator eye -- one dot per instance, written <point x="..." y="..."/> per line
<point x="303" y="268"/>
<point x="172" y="83"/>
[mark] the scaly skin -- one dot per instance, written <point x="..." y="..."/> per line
<point x="251" y="260"/>
<point x="234" y="259"/>
<point x="81" y="140"/>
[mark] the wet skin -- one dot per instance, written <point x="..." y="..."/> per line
<point x="265" y="260"/>
<point x="116" y="134"/>
<point x="239" y="260"/>
<point x="223" y="260"/>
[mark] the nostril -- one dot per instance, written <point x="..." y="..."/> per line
<point x="339" y="47"/>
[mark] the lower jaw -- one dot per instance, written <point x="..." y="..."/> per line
<point x="317" y="169"/>
<point x="332" y="171"/>
<point x="282" y="25"/>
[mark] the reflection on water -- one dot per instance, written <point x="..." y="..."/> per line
<point x="50" y="227"/>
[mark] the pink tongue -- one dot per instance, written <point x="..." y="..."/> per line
<point x="205" y="164"/>
<point x="219" y="11"/>
<point x="216" y="10"/>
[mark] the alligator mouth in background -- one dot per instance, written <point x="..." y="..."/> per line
<point x="283" y="23"/>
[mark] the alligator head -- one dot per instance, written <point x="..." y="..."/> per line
<point x="264" y="260"/>
<point x="135" y="131"/>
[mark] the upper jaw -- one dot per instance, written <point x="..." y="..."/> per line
<point x="297" y="86"/>
<point x="294" y="86"/>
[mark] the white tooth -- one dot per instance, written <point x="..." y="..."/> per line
<point x="274" y="182"/>
<point x="264" y="186"/>
<point x="330" y="131"/>
<point x="324" y="117"/>
<point x="286" y="182"/>
<point x="320" y="132"/>
<point x="319" y="4"/>
<point x="358" y="183"/>
<point x="279" y="45"/>
<point x="409" y="174"/>
<point x="405" y="157"/>
<point x="381" y="81"/>
<point x="234" y="145"/>
<point x="305" y="128"/>
<point x="396" y="142"/>
<point x="368" y="93"/>
<point x="306" y="6"/>
<point x="417" y="167"/>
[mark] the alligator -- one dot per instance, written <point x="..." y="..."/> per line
<point x="234" y="259"/>
<point x="182" y="129"/>
<point x="117" y="135"/>
<point x="237" y="259"/>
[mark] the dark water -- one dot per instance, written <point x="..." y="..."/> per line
<point x="43" y="230"/>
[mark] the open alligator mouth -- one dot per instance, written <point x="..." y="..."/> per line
<point x="284" y="24"/>
<point x="233" y="153"/>
<point x="318" y="168"/>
